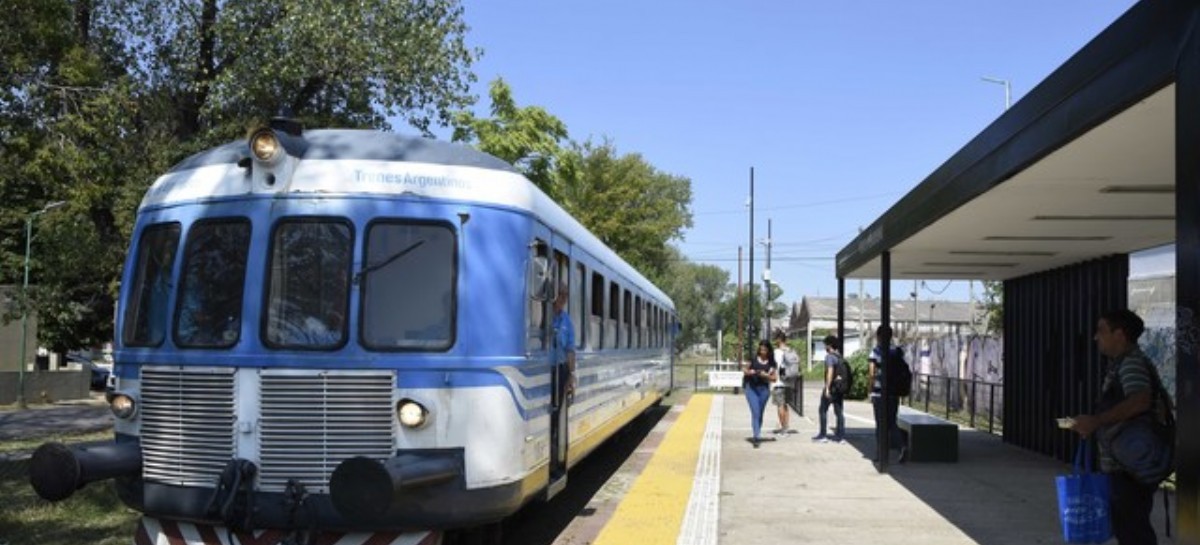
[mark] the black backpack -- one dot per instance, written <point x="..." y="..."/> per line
<point x="843" y="378"/>
<point x="899" y="376"/>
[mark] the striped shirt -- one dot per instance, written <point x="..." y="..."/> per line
<point x="1132" y="375"/>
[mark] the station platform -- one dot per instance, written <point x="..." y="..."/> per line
<point x="703" y="482"/>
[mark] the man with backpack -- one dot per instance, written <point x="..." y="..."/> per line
<point x="886" y="410"/>
<point x="789" y="369"/>
<point x="837" y="385"/>
<point x="1132" y="396"/>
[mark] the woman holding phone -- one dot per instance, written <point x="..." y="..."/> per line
<point x="759" y="373"/>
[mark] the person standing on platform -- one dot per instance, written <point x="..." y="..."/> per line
<point x="758" y="374"/>
<point x="1127" y="393"/>
<point x="885" y="410"/>
<point x="833" y="359"/>
<point x="789" y="366"/>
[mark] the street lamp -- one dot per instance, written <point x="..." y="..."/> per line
<point x="25" y="298"/>
<point x="1007" y="89"/>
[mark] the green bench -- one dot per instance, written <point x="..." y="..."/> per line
<point x="930" y="439"/>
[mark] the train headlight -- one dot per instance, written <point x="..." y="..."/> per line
<point x="411" y="414"/>
<point x="265" y="145"/>
<point x="123" y="406"/>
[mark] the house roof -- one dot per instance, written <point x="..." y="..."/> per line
<point x="825" y="309"/>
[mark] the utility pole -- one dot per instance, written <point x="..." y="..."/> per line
<point x="916" y="316"/>
<point x="767" y="286"/>
<point x="741" y="332"/>
<point x="862" y="334"/>
<point x="750" y="284"/>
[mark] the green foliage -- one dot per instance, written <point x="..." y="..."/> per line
<point x="627" y="203"/>
<point x="751" y="313"/>
<point x="530" y="138"/>
<point x="99" y="98"/>
<point x="697" y="291"/>
<point x="859" y="366"/>
<point x="993" y="297"/>
<point x="327" y="61"/>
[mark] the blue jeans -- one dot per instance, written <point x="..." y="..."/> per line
<point x="757" y="396"/>
<point x="839" y="429"/>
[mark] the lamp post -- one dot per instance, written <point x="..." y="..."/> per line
<point x="25" y="298"/>
<point x="1007" y="89"/>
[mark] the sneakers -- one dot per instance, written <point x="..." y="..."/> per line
<point x="755" y="442"/>
<point x="820" y="438"/>
<point x="837" y="439"/>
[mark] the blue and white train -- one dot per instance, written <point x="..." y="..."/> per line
<point x="351" y="331"/>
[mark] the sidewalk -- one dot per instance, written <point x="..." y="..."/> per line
<point x="796" y="491"/>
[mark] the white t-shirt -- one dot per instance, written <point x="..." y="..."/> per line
<point x="789" y="362"/>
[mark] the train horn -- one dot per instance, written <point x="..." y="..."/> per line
<point x="56" y="470"/>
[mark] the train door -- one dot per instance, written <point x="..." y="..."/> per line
<point x="561" y="382"/>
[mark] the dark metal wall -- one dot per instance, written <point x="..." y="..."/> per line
<point x="1187" y="286"/>
<point x="1051" y="365"/>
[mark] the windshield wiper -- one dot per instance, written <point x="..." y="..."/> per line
<point x="366" y="270"/>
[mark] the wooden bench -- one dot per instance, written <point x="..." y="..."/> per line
<point x="930" y="439"/>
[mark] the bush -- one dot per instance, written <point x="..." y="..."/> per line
<point x="859" y="366"/>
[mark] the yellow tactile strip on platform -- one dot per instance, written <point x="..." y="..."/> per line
<point x="653" y="509"/>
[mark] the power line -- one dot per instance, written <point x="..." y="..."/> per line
<point x="802" y="205"/>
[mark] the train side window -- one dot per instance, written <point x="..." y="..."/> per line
<point x="578" y="302"/>
<point x="146" y="313"/>
<point x="535" y="327"/>
<point x="208" y="313"/>
<point x="407" y="286"/>
<point x="640" y="334"/>
<point x="596" y="334"/>
<point x="614" y="312"/>
<point x="309" y="284"/>
<point x="627" y="320"/>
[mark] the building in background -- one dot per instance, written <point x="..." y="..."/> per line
<point x="811" y="318"/>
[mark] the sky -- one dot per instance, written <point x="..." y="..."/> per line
<point x="840" y="107"/>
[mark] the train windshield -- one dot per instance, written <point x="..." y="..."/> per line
<point x="209" y="309"/>
<point x="408" y="286"/>
<point x="146" y="313"/>
<point x="309" y="284"/>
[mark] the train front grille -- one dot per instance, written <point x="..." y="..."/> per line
<point x="310" y="422"/>
<point x="187" y="424"/>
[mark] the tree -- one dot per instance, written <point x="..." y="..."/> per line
<point x="697" y="291"/>
<point x="993" y="297"/>
<point x="99" y="98"/>
<point x="530" y="138"/>
<point x="751" y="315"/>
<point x="628" y="204"/>
<point x="217" y="64"/>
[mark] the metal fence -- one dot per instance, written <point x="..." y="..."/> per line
<point x="976" y="403"/>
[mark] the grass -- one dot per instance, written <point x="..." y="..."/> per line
<point x="93" y="515"/>
<point x="29" y="444"/>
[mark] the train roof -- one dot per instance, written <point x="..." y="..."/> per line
<point x="365" y="145"/>
<point x="345" y="162"/>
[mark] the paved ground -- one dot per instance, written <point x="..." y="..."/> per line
<point x="79" y="416"/>
<point x="796" y="491"/>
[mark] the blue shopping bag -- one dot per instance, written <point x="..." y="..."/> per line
<point x="1083" y="501"/>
